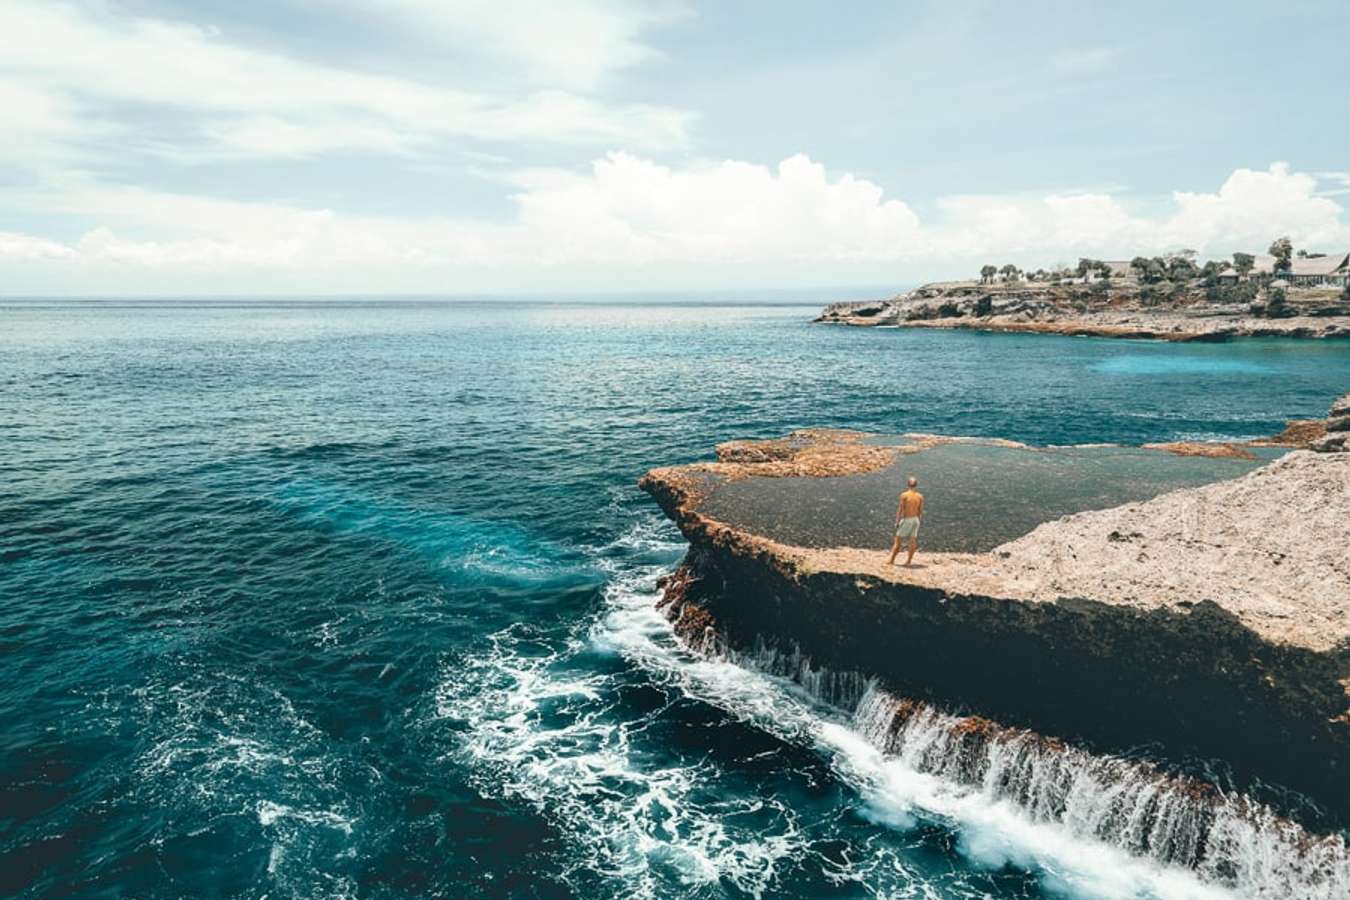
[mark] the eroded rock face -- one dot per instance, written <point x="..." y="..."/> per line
<point x="1191" y="680"/>
<point x="1210" y="623"/>
<point x="1337" y="428"/>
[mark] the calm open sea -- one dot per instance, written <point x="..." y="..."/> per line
<point x="354" y="599"/>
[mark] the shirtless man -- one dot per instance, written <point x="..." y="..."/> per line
<point x="907" y="516"/>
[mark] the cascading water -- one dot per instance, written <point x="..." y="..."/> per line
<point x="1226" y="839"/>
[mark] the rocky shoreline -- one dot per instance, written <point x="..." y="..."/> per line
<point x="1116" y="311"/>
<point x="1208" y="623"/>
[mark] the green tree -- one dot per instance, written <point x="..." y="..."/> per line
<point x="987" y="273"/>
<point x="1283" y="250"/>
<point x="1155" y="270"/>
<point x="1180" y="268"/>
<point x="1209" y="272"/>
<point x="1009" y="272"/>
<point x="1243" y="263"/>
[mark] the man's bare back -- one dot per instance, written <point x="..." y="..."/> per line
<point x="911" y="504"/>
<point x="907" y="518"/>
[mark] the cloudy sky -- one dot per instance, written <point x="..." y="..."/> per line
<point x="341" y="146"/>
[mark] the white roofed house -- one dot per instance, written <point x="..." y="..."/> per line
<point x="1264" y="265"/>
<point x="1331" y="270"/>
<point x="1120" y="269"/>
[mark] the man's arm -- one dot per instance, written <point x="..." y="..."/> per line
<point x="918" y="513"/>
<point x="899" y="508"/>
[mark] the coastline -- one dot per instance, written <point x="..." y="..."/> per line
<point x="1110" y="311"/>
<point x="1205" y="623"/>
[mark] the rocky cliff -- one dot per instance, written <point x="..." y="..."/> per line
<point x="1101" y="310"/>
<point x="1211" y="625"/>
<point x="1335" y="435"/>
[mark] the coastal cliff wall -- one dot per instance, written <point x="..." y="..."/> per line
<point x="1204" y="625"/>
<point x="1194" y="682"/>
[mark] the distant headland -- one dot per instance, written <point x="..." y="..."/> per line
<point x="1172" y="297"/>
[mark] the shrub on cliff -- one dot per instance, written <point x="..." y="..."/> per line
<point x="984" y="306"/>
<point x="1243" y="292"/>
<point x="1277" y="304"/>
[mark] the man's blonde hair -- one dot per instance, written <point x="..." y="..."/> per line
<point x="913" y="482"/>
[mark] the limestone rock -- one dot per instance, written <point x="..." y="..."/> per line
<point x="1337" y="438"/>
<point x="1119" y="309"/>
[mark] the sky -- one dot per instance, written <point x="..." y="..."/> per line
<point x="166" y="147"/>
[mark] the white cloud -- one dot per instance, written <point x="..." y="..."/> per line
<point x="27" y="248"/>
<point x="1249" y="209"/>
<point x="632" y="210"/>
<point x="627" y="212"/>
<point x="564" y="43"/>
<point x="1252" y="207"/>
<point x="253" y="102"/>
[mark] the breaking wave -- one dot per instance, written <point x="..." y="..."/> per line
<point x="547" y="723"/>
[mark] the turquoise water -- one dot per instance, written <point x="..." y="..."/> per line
<point x="354" y="599"/>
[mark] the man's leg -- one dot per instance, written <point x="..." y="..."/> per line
<point x="913" y="545"/>
<point x="895" y="549"/>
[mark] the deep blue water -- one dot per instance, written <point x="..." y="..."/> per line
<point x="321" y="599"/>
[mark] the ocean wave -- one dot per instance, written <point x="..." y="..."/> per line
<point x="233" y="764"/>
<point x="1251" y="851"/>
<point x="541" y="721"/>
<point x="991" y="835"/>
<point x="543" y="731"/>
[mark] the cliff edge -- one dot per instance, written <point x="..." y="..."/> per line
<point x="1206" y="623"/>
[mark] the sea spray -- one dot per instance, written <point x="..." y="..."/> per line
<point x="1225" y="838"/>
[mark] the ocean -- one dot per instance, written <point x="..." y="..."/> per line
<point x="310" y="598"/>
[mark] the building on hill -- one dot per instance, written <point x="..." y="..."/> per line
<point x="1120" y="269"/>
<point x="1264" y="265"/>
<point x="1332" y="270"/>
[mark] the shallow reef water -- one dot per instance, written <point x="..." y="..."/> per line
<point x="356" y="598"/>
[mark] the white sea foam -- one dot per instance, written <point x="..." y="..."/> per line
<point x="551" y="740"/>
<point x="543" y="728"/>
<point x="992" y="833"/>
<point x="220" y="742"/>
